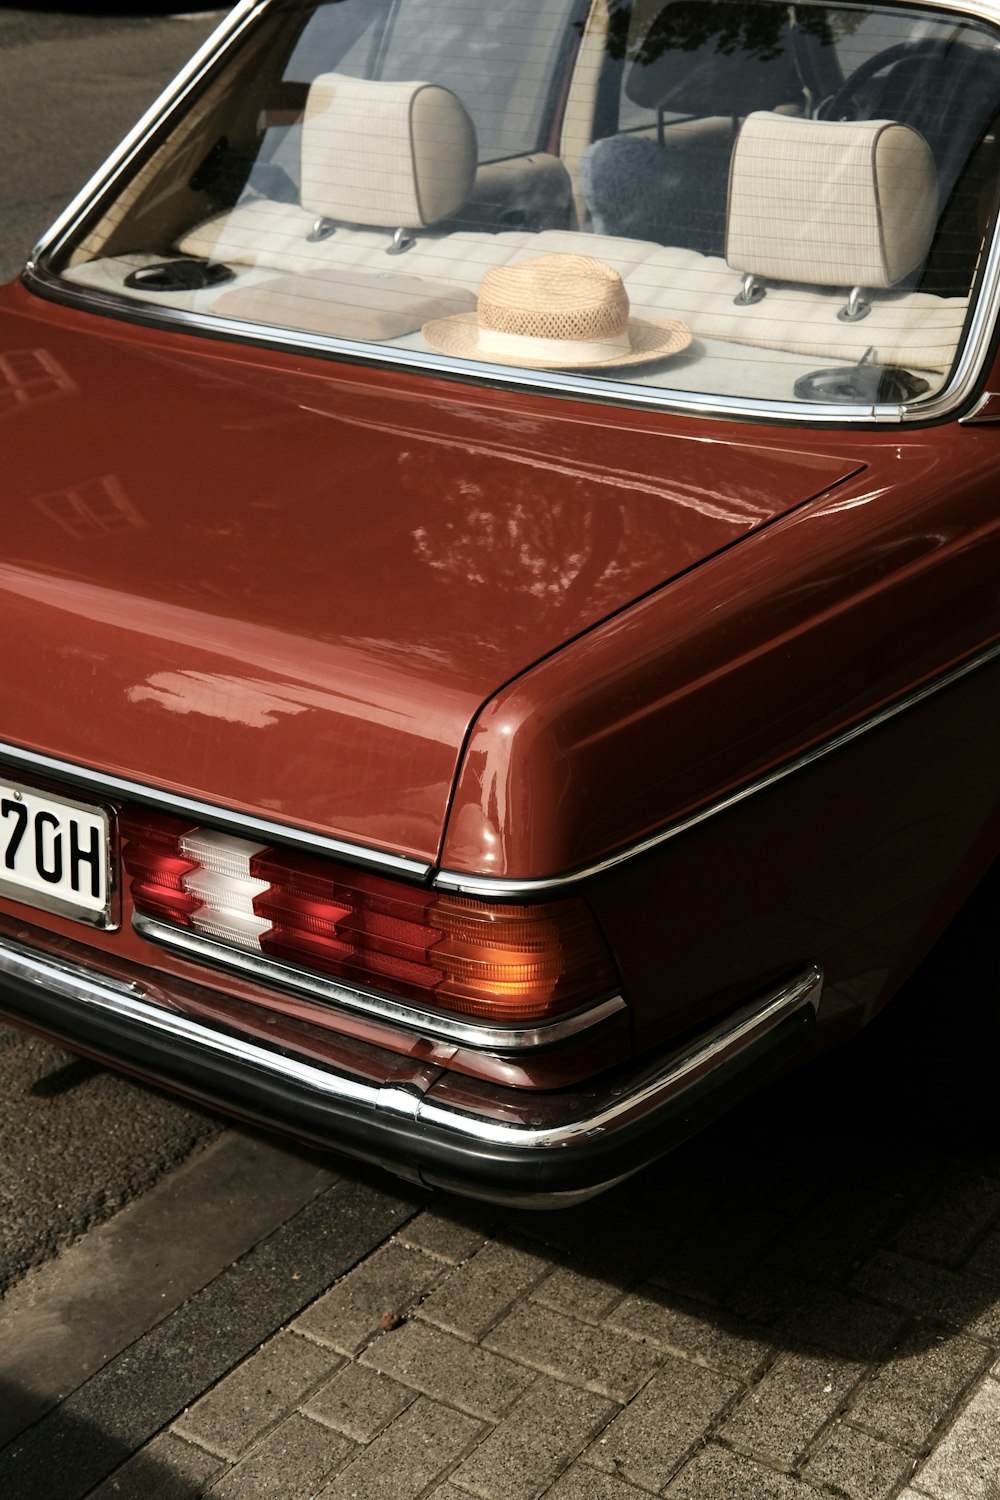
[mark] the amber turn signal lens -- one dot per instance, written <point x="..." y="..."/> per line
<point x="443" y="952"/>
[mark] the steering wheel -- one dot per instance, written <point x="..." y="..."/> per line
<point x="847" y="103"/>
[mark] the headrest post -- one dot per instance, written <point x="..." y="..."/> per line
<point x="401" y="242"/>
<point x="322" y="229"/>
<point x="856" y="307"/>
<point x="752" y="290"/>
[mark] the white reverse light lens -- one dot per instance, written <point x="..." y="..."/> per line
<point x="225" y="887"/>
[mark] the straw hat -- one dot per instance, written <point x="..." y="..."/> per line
<point x="555" y="312"/>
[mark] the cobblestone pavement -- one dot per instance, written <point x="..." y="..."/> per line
<point x="803" y="1302"/>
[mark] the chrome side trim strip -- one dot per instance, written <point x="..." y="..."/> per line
<point x="208" y="812"/>
<point x="498" y="886"/>
<point x="607" y="1108"/>
<point x="229" y="29"/>
<point x="457" y="1029"/>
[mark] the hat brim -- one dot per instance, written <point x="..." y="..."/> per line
<point x="459" y="336"/>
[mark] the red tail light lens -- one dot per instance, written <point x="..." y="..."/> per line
<point x="476" y="958"/>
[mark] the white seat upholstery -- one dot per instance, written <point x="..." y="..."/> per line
<point x="830" y="202"/>
<point x="798" y="315"/>
<point x="389" y="154"/>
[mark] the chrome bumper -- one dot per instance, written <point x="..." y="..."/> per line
<point x="416" y="1118"/>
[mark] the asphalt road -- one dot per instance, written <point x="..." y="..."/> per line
<point x="72" y="82"/>
<point x="76" y="1142"/>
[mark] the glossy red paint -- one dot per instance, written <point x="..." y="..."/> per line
<point x="731" y="685"/>
<point x="443" y="539"/>
<point x="765" y="651"/>
<point x="856" y="863"/>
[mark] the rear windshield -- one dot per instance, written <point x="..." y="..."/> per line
<point x="736" y="200"/>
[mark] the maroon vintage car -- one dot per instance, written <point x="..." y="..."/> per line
<point x="501" y="575"/>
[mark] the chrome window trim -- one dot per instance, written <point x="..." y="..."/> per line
<point x="958" y="389"/>
<point x="486" y="886"/>
<point x="607" y="1106"/>
<point x="586" y="388"/>
<point x="231" y="27"/>
<point x="176" y="803"/>
<point x="461" y="1030"/>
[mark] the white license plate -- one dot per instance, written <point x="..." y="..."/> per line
<point x="55" y="853"/>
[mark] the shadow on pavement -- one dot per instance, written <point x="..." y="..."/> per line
<point x="844" y="1208"/>
<point x="83" y="1454"/>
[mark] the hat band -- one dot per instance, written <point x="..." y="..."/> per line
<point x="552" y="351"/>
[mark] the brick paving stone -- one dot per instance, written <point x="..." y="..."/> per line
<point x="966" y="1464"/>
<point x="478" y="1293"/>
<point x="389" y="1281"/>
<point x="778" y="1418"/>
<point x="451" y="1232"/>
<point x="581" y="1482"/>
<point x="720" y="1251"/>
<point x="717" y="1474"/>
<point x="820" y="1317"/>
<point x="951" y="1217"/>
<point x="409" y="1455"/>
<point x="985" y="1259"/>
<point x="547" y="1428"/>
<point x="137" y="1394"/>
<point x="666" y="1196"/>
<point x="358" y="1402"/>
<point x="168" y="1468"/>
<point x="898" y="1176"/>
<point x="590" y="1282"/>
<point x="584" y="1355"/>
<point x="256" y="1394"/>
<point x="449" y="1369"/>
<point x="906" y="1398"/>
<point x="831" y="1238"/>
<point x="933" y="1292"/>
<point x="648" y="1314"/>
<point x="771" y="1183"/>
<point x="659" y="1428"/>
<point x="853" y="1464"/>
<point x="292" y="1463"/>
<point x="563" y="1229"/>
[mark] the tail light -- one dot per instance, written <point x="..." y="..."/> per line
<point x="475" y="958"/>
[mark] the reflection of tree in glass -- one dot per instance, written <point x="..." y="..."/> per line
<point x="755" y="30"/>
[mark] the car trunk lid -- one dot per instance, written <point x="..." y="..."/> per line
<point x="288" y="586"/>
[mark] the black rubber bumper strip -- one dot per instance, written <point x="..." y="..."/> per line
<point x="506" y="1144"/>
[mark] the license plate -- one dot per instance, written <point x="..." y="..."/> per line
<point x="55" y="853"/>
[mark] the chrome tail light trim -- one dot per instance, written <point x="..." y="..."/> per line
<point x="463" y="1031"/>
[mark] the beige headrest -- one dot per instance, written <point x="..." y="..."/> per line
<point x="392" y="155"/>
<point x="830" y="202"/>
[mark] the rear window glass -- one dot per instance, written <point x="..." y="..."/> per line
<point x="708" y="197"/>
